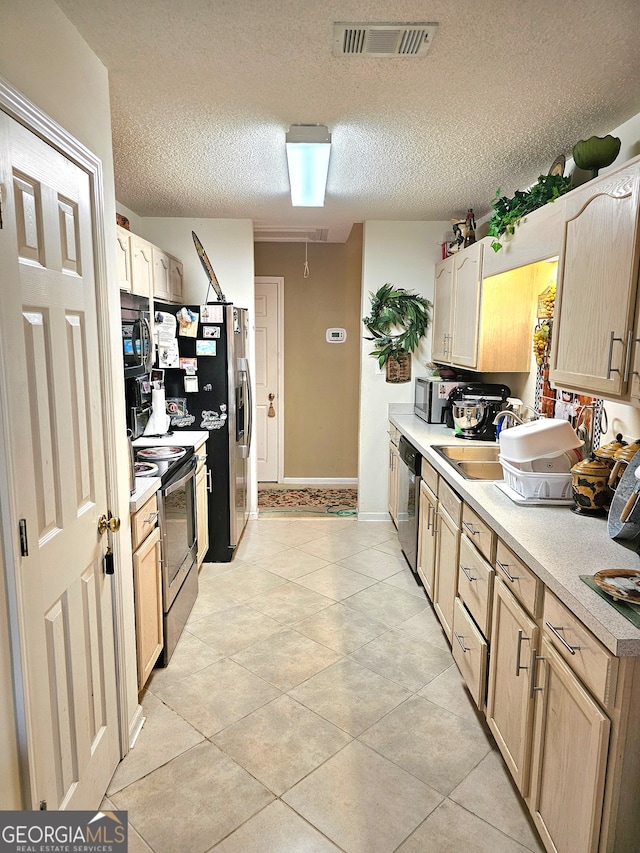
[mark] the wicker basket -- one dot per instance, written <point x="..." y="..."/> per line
<point x="399" y="367"/>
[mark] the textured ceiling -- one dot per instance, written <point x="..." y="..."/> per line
<point x="203" y="91"/>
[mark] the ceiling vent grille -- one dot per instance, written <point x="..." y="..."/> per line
<point x="382" y="40"/>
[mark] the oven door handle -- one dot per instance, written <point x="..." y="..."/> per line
<point x="173" y="486"/>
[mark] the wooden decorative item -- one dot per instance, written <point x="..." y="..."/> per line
<point x="398" y="367"/>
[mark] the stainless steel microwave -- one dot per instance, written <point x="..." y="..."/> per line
<point x="430" y="398"/>
<point x="137" y="346"/>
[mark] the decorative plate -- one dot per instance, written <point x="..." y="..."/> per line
<point x="557" y="167"/>
<point x="206" y="263"/>
<point x="620" y="584"/>
<point x="161" y="452"/>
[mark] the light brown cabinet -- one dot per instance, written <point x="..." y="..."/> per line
<point x="570" y="744"/>
<point x="141" y="267"/>
<point x="514" y="639"/>
<point x="147" y="588"/>
<point x="202" y="503"/>
<point x="447" y="556"/>
<point x="161" y="275"/>
<point x="427" y="537"/>
<point x="482" y="322"/>
<point x="393" y="474"/>
<point x="597" y="351"/>
<point x="176" y="277"/>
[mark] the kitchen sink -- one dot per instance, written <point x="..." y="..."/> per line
<point x="474" y="462"/>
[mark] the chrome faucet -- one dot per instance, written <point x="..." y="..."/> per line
<point x="507" y="413"/>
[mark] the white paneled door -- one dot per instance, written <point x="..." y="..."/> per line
<point x="268" y="391"/>
<point x="57" y="484"/>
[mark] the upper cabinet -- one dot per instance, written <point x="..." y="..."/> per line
<point x="146" y="270"/>
<point x="482" y="322"/>
<point x="595" y="338"/>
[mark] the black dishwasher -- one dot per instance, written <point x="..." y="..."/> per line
<point x="408" y="502"/>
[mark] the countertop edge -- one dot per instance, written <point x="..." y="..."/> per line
<point x="145" y="487"/>
<point x="571" y="545"/>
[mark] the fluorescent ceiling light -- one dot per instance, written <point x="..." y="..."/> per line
<point x="308" y="147"/>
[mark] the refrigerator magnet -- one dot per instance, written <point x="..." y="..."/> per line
<point x="189" y="365"/>
<point x="211" y="314"/>
<point x="211" y="331"/>
<point x="188" y="323"/>
<point x="190" y="384"/>
<point x="206" y="348"/>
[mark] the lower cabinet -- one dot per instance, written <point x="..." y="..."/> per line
<point x="570" y="744"/>
<point x="147" y="589"/>
<point x="447" y="556"/>
<point x="202" y="508"/>
<point x="427" y="540"/>
<point x="394" y="461"/>
<point x="514" y="640"/>
<point x="470" y="652"/>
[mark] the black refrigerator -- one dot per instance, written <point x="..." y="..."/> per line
<point x="208" y="387"/>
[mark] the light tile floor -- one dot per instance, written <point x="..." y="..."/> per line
<point x="312" y="705"/>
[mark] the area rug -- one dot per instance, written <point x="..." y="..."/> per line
<point x="331" y="501"/>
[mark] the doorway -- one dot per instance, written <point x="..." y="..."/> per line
<point x="269" y="386"/>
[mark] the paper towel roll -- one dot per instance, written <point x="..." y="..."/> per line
<point x="159" y="421"/>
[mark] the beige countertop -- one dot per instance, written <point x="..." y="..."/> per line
<point x="145" y="487"/>
<point x="556" y="543"/>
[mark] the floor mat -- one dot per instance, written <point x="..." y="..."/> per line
<point x="322" y="501"/>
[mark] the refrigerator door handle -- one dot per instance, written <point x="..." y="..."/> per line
<point x="243" y="367"/>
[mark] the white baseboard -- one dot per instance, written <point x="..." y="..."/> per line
<point x="373" y="516"/>
<point x="320" y="481"/>
<point x="135" y="726"/>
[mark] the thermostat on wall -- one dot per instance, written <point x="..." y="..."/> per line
<point x="336" y="336"/>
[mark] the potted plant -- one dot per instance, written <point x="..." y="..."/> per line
<point x="507" y="212"/>
<point x="399" y="319"/>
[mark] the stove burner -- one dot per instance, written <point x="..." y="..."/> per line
<point x="145" y="469"/>
<point x="161" y="453"/>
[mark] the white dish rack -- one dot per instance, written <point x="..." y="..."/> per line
<point x="537" y="485"/>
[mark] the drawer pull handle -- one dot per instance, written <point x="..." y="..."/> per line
<point x="209" y="480"/>
<point x="611" y="369"/>
<point x="461" y="642"/>
<point x="467" y="573"/>
<point x="470" y="528"/>
<point x="151" y="518"/>
<point x="519" y="666"/>
<point x="556" y="633"/>
<point x="533" y="669"/>
<point x="510" y="577"/>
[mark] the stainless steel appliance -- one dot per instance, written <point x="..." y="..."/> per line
<point x="177" y="520"/>
<point x="222" y="406"/>
<point x="137" y="347"/>
<point x="474" y="408"/>
<point x="430" y="398"/>
<point x="410" y="462"/>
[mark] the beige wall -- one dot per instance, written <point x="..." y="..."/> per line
<point x="321" y="380"/>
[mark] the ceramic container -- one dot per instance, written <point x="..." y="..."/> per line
<point x="590" y="486"/>
<point x="622" y="457"/>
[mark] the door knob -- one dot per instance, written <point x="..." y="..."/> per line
<point x="272" y="412"/>
<point x="111" y="523"/>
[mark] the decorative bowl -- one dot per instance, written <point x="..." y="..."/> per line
<point x="596" y="152"/>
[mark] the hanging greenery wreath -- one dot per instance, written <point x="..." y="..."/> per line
<point x="398" y="320"/>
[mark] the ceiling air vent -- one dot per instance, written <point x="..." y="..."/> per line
<point x="382" y="40"/>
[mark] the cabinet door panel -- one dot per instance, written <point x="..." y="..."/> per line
<point x="442" y="301"/>
<point x="202" y="504"/>
<point x="514" y="638"/>
<point x="466" y="306"/>
<point x="427" y="538"/>
<point x="446" y="576"/>
<point x="161" y="285"/>
<point x="598" y="272"/>
<point x="569" y="759"/>
<point x="469" y="649"/>
<point x="147" y="587"/>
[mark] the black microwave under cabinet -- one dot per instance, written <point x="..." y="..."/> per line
<point x="137" y="346"/>
<point x="431" y="397"/>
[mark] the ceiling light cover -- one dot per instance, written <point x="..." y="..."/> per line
<point x="308" y="147"/>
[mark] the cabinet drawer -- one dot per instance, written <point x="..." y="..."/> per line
<point x="143" y="521"/>
<point x="394" y="434"/>
<point x="475" y="584"/>
<point x="587" y="657"/>
<point x="469" y="649"/>
<point x="519" y="578"/>
<point x="430" y="476"/>
<point x="482" y="536"/>
<point x="450" y="502"/>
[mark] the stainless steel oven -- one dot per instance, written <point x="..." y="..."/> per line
<point x="177" y="520"/>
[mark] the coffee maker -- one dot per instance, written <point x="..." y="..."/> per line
<point x="473" y="408"/>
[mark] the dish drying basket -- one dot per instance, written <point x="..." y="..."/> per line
<point x="536" y="485"/>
